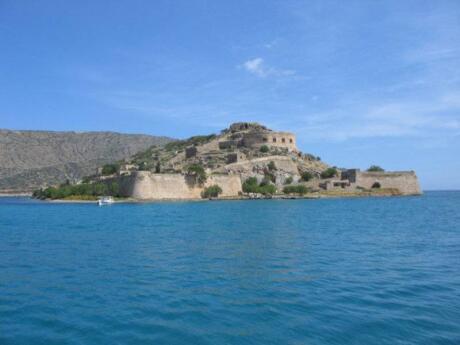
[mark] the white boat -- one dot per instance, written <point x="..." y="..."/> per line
<point x="105" y="200"/>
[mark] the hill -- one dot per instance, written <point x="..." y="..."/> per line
<point x="33" y="159"/>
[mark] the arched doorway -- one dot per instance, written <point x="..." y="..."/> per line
<point x="376" y="185"/>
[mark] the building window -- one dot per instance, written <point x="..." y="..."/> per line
<point x="274" y="140"/>
<point x="265" y="140"/>
<point x="283" y="140"/>
<point x="290" y="140"/>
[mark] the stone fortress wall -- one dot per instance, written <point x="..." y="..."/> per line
<point x="252" y="135"/>
<point x="276" y="139"/>
<point x="144" y="185"/>
<point x="405" y="181"/>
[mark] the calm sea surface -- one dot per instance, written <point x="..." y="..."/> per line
<point x="339" y="271"/>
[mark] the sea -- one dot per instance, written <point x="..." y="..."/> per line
<point x="329" y="271"/>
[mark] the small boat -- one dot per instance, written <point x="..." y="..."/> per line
<point x="105" y="200"/>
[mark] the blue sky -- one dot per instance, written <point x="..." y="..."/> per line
<point x="359" y="82"/>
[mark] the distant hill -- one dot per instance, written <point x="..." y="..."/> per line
<point x="33" y="159"/>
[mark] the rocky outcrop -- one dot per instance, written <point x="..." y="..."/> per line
<point x="33" y="159"/>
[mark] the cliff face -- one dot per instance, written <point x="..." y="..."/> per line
<point x="32" y="159"/>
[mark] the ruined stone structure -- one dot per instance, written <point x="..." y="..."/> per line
<point x="253" y="135"/>
<point x="405" y="181"/>
<point x="144" y="185"/>
<point x="236" y="154"/>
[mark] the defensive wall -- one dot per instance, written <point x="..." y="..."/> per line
<point x="144" y="185"/>
<point x="256" y="139"/>
<point x="405" y="181"/>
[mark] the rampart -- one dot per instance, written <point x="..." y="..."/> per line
<point x="144" y="185"/>
<point x="405" y="181"/>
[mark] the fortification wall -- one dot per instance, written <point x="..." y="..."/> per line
<point x="405" y="181"/>
<point x="144" y="185"/>
<point x="277" y="139"/>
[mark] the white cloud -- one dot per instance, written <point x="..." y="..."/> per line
<point x="258" y="67"/>
<point x="423" y="119"/>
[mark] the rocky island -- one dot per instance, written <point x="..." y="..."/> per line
<point x="246" y="160"/>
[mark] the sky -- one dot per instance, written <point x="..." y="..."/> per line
<point x="358" y="82"/>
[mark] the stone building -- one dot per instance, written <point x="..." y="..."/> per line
<point x="405" y="181"/>
<point x="253" y="135"/>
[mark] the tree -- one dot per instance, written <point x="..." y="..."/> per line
<point x="299" y="189"/>
<point x="198" y="171"/>
<point x="110" y="169"/>
<point x="271" y="166"/>
<point x="250" y="185"/>
<point x="306" y="176"/>
<point x="288" y="180"/>
<point x="211" y="192"/>
<point x="375" y="168"/>
<point x="265" y="187"/>
<point x="329" y="172"/>
<point x="264" y="149"/>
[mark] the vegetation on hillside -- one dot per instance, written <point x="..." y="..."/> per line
<point x="251" y="186"/>
<point x="329" y="172"/>
<point x="298" y="189"/>
<point x="375" y="168"/>
<point x="110" y="169"/>
<point x="198" y="172"/>
<point x="264" y="149"/>
<point x="306" y="176"/>
<point x="83" y="191"/>
<point x="271" y="166"/>
<point x="211" y="191"/>
<point x="289" y="180"/>
<point x="192" y="141"/>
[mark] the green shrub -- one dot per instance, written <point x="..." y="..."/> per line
<point x="288" y="180"/>
<point x="271" y="166"/>
<point x="143" y="166"/>
<point x="250" y="185"/>
<point x="182" y="144"/>
<point x="265" y="187"/>
<point x="299" y="189"/>
<point x="211" y="192"/>
<point x="329" y="172"/>
<point x="109" y="169"/>
<point x="375" y="168"/>
<point x="79" y="190"/>
<point x="198" y="171"/>
<point x="268" y="189"/>
<point x="306" y="176"/>
<point x="264" y="149"/>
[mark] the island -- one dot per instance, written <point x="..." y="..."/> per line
<point x="244" y="161"/>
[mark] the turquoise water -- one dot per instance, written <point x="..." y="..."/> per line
<point x="339" y="271"/>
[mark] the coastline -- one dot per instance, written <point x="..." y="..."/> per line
<point x="16" y="194"/>
<point x="313" y="196"/>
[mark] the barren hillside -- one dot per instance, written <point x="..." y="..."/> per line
<point x="32" y="159"/>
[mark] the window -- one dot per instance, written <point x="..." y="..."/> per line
<point x="290" y="140"/>
<point x="283" y="140"/>
<point x="274" y="140"/>
<point x="265" y="140"/>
